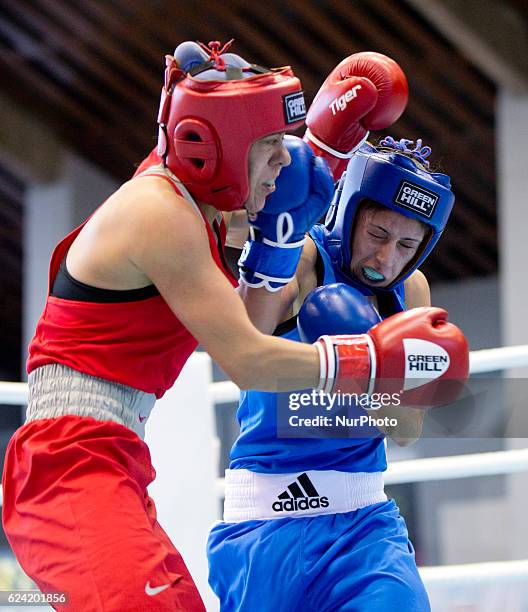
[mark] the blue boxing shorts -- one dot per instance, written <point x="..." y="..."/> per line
<point x="358" y="561"/>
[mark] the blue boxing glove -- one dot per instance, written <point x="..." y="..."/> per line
<point x="334" y="310"/>
<point x="277" y="234"/>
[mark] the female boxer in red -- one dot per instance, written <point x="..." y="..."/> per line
<point x="132" y="291"/>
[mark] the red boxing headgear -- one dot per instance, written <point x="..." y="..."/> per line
<point x="206" y="127"/>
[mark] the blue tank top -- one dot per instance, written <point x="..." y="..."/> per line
<point x="259" y="449"/>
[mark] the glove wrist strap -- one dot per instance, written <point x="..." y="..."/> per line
<point x="347" y="364"/>
<point x="329" y="149"/>
<point x="269" y="264"/>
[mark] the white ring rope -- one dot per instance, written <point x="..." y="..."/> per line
<point x="13" y="393"/>
<point x="495" y="359"/>
<point x="474" y="573"/>
<point x="458" y="466"/>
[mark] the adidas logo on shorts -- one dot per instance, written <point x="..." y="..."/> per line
<point x="300" y="495"/>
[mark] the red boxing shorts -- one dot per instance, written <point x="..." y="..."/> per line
<point x="78" y="517"/>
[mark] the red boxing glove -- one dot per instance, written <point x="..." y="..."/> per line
<point x="416" y="354"/>
<point x="366" y="91"/>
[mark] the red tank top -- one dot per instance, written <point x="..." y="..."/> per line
<point x="141" y="344"/>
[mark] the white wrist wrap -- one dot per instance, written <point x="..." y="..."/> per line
<point x="372" y="352"/>
<point x="328" y="366"/>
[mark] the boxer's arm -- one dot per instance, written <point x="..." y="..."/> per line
<point x="409" y="423"/>
<point x="266" y="310"/>
<point x="305" y="280"/>
<point x="169" y="245"/>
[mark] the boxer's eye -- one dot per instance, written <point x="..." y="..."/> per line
<point x="274" y="140"/>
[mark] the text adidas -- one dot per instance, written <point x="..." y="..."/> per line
<point x="302" y="503"/>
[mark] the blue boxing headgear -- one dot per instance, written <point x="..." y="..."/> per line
<point x="387" y="175"/>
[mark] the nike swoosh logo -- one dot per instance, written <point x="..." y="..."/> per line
<point x="155" y="590"/>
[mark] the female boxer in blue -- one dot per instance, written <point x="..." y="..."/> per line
<point x="307" y="525"/>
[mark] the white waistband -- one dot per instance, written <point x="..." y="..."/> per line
<point x="254" y="496"/>
<point x="56" y="390"/>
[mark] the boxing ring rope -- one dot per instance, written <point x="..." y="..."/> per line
<point x="475" y="573"/>
<point x="405" y="471"/>
<point x="13" y="393"/>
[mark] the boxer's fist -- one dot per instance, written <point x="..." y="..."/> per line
<point x="335" y="309"/>
<point x="366" y="91"/>
<point x="423" y="354"/>
<point x="302" y="196"/>
<point x="416" y="353"/>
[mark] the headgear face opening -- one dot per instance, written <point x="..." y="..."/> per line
<point x="214" y="106"/>
<point x="400" y="184"/>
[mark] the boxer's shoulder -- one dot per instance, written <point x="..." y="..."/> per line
<point x="306" y="268"/>
<point x="153" y="227"/>
<point x="417" y="292"/>
<point x="150" y="189"/>
<point x="143" y="217"/>
<point x="306" y="273"/>
<point x="151" y="202"/>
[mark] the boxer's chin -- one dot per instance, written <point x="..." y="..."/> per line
<point x="254" y="204"/>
